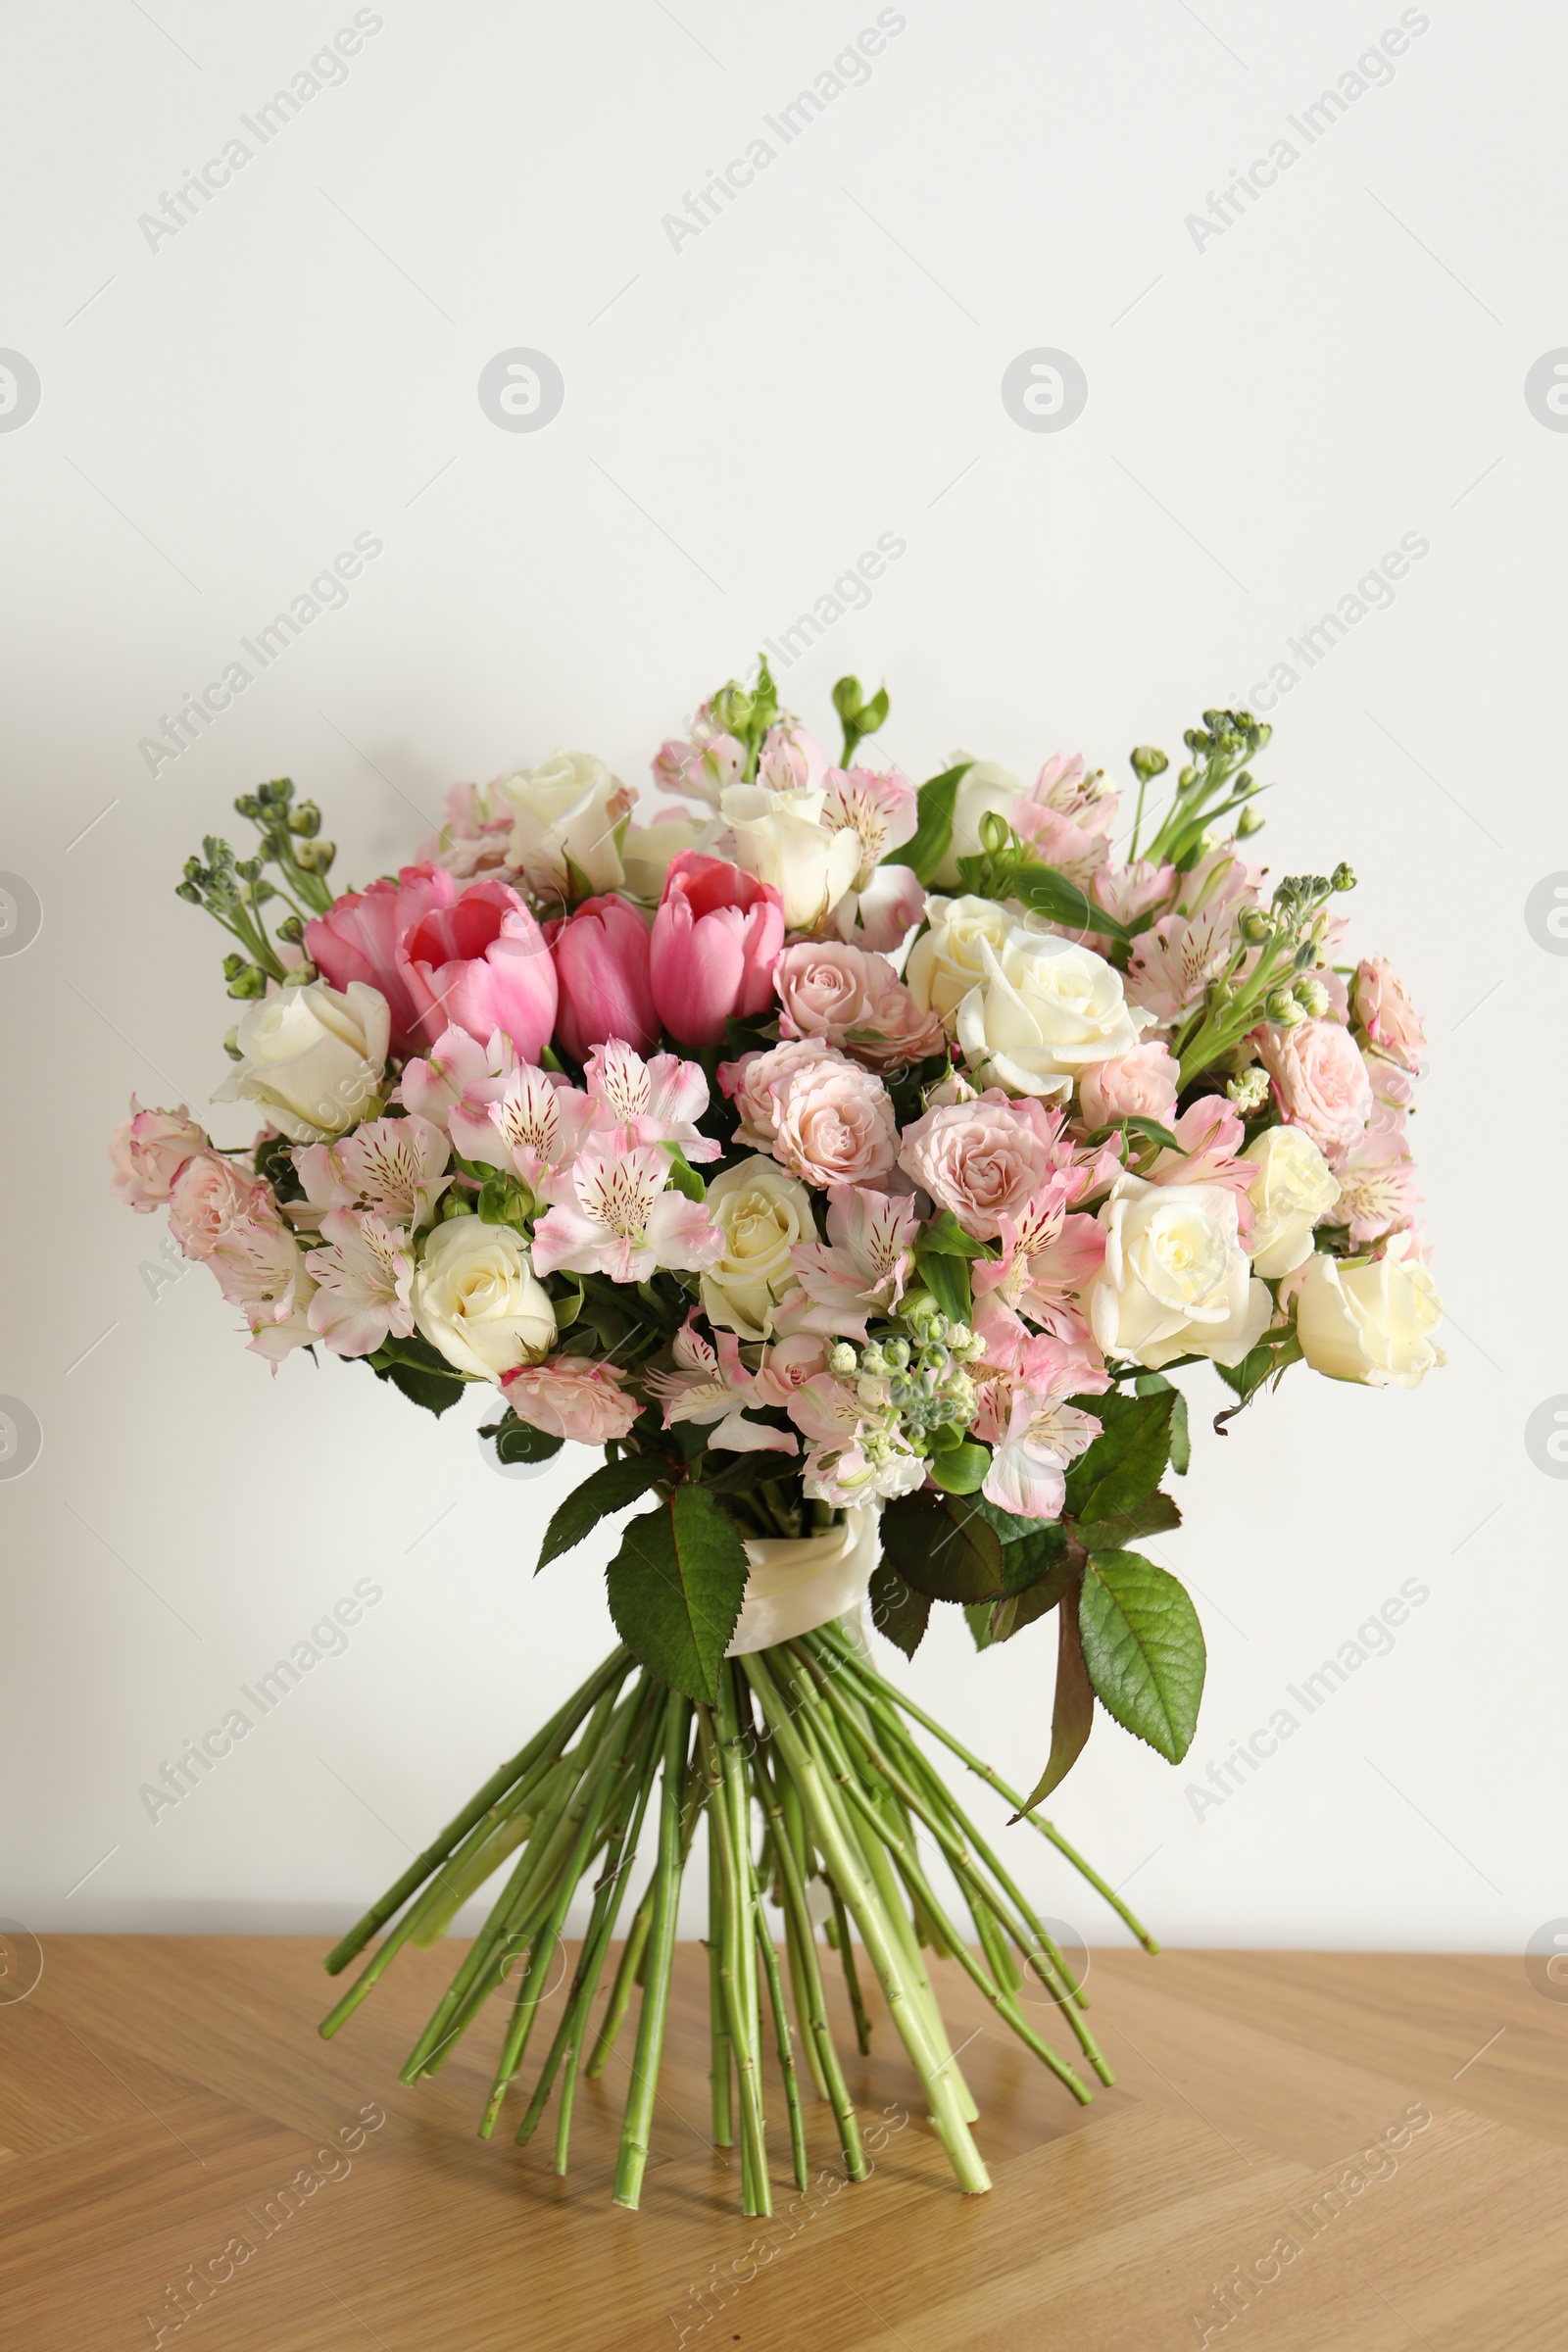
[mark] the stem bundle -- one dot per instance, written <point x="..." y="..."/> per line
<point x="805" y="1769"/>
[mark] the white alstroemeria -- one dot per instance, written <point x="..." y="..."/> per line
<point x="780" y="837"/>
<point x="711" y="1385"/>
<point x="656" y="1102"/>
<point x="1028" y="1468"/>
<point x="393" y="1167"/>
<point x="363" y="1279"/>
<point x="624" y="1221"/>
<point x="877" y="805"/>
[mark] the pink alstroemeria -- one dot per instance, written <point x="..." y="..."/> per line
<point x="624" y="1221"/>
<point x="362" y="1284"/>
<point x="879" y="805"/>
<point x="1028" y="1469"/>
<point x="262" y="1270"/>
<point x="790" y="759"/>
<point x="882" y="915"/>
<point x="1377" y="1181"/>
<point x="1173" y="963"/>
<point x="1046" y="1257"/>
<point x="657" y="1102"/>
<point x="1129" y="894"/>
<point x="862" y="1268"/>
<point x="701" y="766"/>
<point x="395" y="1168"/>
<point x="711" y="1383"/>
<point x="458" y="1069"/>
<point x="531" y="1128"/>
<point x="1211" y="1133"/>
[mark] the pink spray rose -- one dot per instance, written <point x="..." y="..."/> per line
<point x="600" y="959"/>
<point x="1320" y="1082"/>
<point x="361" y="936"/>
<point x="573" y="1399"/>
<point x="835" y="1124"/>
<point x="855" y="1000"/>
<point x="1139" y="1084"/>
<point x="984" y="1160"/>
<point x="481" y="964"/>
<point x="755" y="1083"/>
<point x="1391" y="1022"/>
<point x="716" y="937"/>
<point x="149" y="1150"/>
<point x="211" y="1200"/>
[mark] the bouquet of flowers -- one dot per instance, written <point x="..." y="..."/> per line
<point x="854" y="1165"/>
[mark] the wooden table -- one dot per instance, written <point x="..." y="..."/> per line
<point x="160" y="2093"/>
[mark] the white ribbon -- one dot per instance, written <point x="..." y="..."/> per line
<point x="796" y="1584"/>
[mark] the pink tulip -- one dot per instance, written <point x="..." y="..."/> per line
<point x="479" y="965"/>
<point x="360" y="935"/>
<point x="717" y="938"/>
<point x="600" y="959"/>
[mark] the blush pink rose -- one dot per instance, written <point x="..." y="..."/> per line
<point x="985" y="1159"/>
<point x="572" y="1397"/>
<point x="835" y="1123"/>
<point x="361" y="937"/>
<point x="716" y="937"/>
<point x="1391" y="1022"/>
<point x="149" y="1150"/>
<point x="481" y="964"/>
<point x="1140" y="1085"/>
<point x="855" y="1000"/>
<point x="755" y="1083"/>
<point x="211" y="1203"/>
<point x="1320" y="1082"/>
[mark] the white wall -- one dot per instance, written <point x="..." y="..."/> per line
<point x="1268" y="412"/>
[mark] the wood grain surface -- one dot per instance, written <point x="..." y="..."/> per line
<point x="161" y="2093"/>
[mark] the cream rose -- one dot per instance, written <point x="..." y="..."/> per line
<point x="1291" y="1192"/>
<point x="1175" y="1280"/>
<point x="944" y="961"/>
<point x="988" y="788"/>
<point x="571" y="807"/>
<point x="647" y="850"/>
<point x="312" y="1057"/>
<point x="762" y="1212"/>
<point x="1370" y="1320"/>
<point x="475" y="1298"/>
<point x="780" y="837"/>
<point x="1044" y="1012"/>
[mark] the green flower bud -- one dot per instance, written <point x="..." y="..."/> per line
<point x="1342" y="877"/>
<point x="1280" y="1007"/>
<point x="842" y="1359"/>
<point x="1147" y="761"/>
<point x="1249" y="824"/>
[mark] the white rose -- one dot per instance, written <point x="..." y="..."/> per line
<point x="475" y="1298"/>
<point x="312" y="1057"/>
<point x="1370" y="1320"/>
<point x="762" y="1212"/>
<point x="780" y="837"/>
<point x="944" y="961"/>
<point x="1175" y="1280"/>
<point x="1292" y="1190"/>
<point x="571" y="807"/>
<point x="1044" y="1011"/>
<point x="646" y="851"/>
<point x="988" y="789"/>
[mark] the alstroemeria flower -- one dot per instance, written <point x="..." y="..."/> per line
<point x="1046" y="1259"/>
<point x="624" y="1221"/>
<point x="532" y="1128"/>
<point x="710" y="1383"/>
<point x="363" y="1279"/>
<point x="657" y="1102"/>
<point x="395" y="1168"/>
<point x="862" y="1268"/>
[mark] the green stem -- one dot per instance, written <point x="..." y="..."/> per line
<point x="633" y="2158"/>
<point x="852" y="1977"/>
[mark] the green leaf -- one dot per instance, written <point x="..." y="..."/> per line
<point x="1181" y="1438"/>
<point x="743" y="1471"/>
<point x="1126" y="1461"/>
<point x="947" y="1237"/>
<point x="610" y="1489"/>
<point x="960" y="1469"/>
<point x="898" y="1610"/>
<point x="503" y="1202"/>
<point x="946" y="1278"/>
<point x="1151" y="1517"/>
<point x="1073" y="1713"/>
<point x="941" y="1546"/>
<point x="1045" y="891"/>
<point x="1009" y="1616"/>
<point x="1143" y="1648"/>
<point x="1153" y="1132"/>
<point x="419" y="1371"/>
<point x="933" y="837"/>
<point x="520" y="1441"/>
<point x="676" y="1590"/>
<point x="683" y="1176"/>
<point x="1272" y="1355"/>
